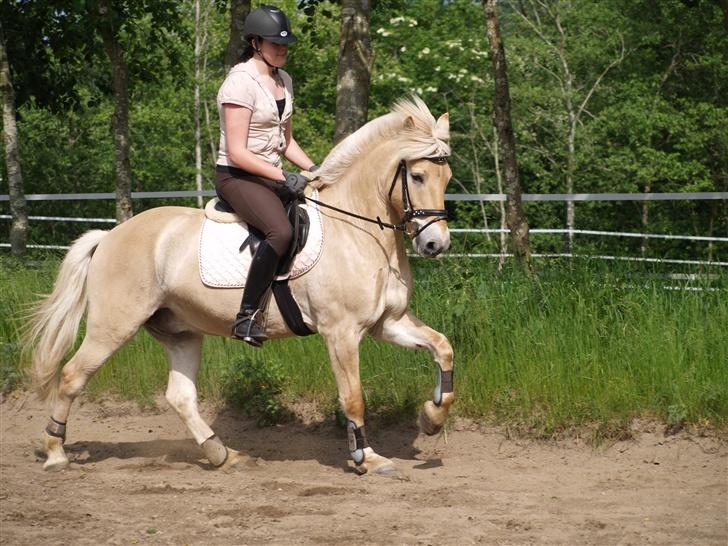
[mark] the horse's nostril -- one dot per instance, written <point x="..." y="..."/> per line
<point x="432" y="249"/>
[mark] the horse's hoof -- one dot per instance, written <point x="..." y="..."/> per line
<point x="375" y="464"/>
<point x="55" y="465"/>
<point x="388" y="470"/>
<point x="53" y="454"/>
<point x="237" y="461"/>
<point x="426" y="425"/>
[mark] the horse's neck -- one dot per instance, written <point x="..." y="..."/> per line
<point x="364" y="190"/>
<point x="365" y="186"/>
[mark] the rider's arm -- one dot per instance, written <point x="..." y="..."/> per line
<point x="237" y="124"/>
<point x="294" y="153"/>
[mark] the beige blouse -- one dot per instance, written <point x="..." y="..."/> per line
<point x="266" y="136"/>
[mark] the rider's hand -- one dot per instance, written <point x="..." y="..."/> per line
<point x="294" y="184"/>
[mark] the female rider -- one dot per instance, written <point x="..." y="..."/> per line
<point x="255" y="103"/>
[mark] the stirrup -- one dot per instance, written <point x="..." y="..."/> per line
<point x="246" y="328"/>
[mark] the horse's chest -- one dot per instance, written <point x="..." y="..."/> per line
<point x="396" y="292"/>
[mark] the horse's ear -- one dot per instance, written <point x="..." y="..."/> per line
<point x="409" y="123"/>
<point x="442" y="127"/>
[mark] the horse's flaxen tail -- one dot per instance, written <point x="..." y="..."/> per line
<point x="54" y="323"/>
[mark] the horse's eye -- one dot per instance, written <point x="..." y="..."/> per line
<point x="418" y="178"/>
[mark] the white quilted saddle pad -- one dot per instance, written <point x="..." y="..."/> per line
<point x="222" y="265"/>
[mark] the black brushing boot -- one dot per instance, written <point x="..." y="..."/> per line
<point x="261" y="274"/>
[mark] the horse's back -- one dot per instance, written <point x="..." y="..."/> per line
<point x="143" y="248"/>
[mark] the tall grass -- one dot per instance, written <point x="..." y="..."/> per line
<point x="585" y="345"/>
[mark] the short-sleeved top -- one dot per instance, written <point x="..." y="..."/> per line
<point x="266" y="134"/>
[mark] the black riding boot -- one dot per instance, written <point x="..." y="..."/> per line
<point x="260" y="276"/>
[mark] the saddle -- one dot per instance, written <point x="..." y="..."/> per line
<point x="297" y="216"/>
<point x="218" y="210"/>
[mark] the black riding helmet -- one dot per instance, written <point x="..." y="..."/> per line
<point x="269" y="23"/>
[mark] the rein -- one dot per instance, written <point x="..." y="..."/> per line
<point x="409" y="211"/>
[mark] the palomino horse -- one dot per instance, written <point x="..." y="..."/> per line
<point x="391" y="173"/>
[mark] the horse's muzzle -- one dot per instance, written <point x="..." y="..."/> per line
<point x="432" y="241"/>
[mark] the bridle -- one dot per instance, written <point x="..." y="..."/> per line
<point x="410" y="212"/>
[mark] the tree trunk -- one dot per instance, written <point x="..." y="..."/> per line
<point x="198" y="80"/>
<point x="570" y="171"/>
<point x="120" y="119"/>
<point x="645" y="222"/>
<point x="515" y="217"/>
<point x="239" y="10"/>
<point x="355" y="67"/>
<point x="18" y="210"/>
<point x="501" y="206"/>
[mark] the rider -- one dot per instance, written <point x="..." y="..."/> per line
<point x="255" y="103"/>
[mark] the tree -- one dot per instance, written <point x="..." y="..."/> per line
<point x="239" y="10"/>
<point x="548" y="22"/>
<point x="355" y="67"/>
<point x="515" y="217"/>
<point x="108" y="22"/>
<point x="19" y="227"/>
<point x="202" y="12"/>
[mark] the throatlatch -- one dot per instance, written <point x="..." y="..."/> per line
<point x="357" y="442"/>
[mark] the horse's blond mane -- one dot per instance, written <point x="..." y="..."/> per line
<point x="420" y="138"/>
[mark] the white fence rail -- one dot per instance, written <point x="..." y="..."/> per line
<point x="675" y="196"/>
<point x="490" y="197"/>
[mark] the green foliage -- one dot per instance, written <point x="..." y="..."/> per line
<point x="255" y="387"/>
<point x="587" y="347"/>
<point x="10" y="375"/>
<point x="656" y="120"/>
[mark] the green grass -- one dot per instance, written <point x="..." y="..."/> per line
<point x="587" y="345"/>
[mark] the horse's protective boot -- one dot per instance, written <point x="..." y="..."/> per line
<point x="246" y="326"/>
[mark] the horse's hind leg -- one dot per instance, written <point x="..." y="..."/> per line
<point x="95" y="349"/>
<point x="184" y="351"/>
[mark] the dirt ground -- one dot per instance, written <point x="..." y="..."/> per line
<point x="137" y="478"/>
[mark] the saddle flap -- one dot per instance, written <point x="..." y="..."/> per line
<point x="222" y="264"/>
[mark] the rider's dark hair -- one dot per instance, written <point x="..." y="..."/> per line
<point x="249" y="50"/>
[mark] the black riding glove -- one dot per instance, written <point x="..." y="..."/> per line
<point x="294" y="184"/>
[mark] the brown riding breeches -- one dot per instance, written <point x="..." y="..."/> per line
<point x="253" y="199"/>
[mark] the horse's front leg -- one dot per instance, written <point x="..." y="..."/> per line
<point x="409" y="331"/>
<point x="343" y="347"/>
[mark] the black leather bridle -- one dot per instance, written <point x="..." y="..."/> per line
<point x="410" y="212"/>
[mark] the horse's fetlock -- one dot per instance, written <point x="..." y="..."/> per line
<point x="357" y="442"/>
<point x="444" y="387"/>
<point x="56" y="429"/>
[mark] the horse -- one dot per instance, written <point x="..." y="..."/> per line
<point x="144" y="273"/>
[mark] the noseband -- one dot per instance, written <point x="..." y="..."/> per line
<point x="410" y="212"/>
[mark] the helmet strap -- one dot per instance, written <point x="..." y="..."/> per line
<point x="257" y="49"/>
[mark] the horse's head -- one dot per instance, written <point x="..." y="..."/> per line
<point x="407" y="150"/>
<point x="421" y="195"/>
<point x="420" y="200"/>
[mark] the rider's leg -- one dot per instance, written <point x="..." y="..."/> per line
<point x="247" y="326"/>
<point x="255" y="202"/>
